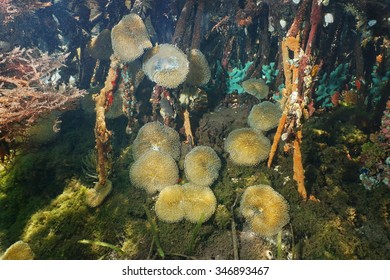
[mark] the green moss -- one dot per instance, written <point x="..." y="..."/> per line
<point x="372" y="153"/>
<point x="335" y="240"/>
<point x="223" y="217"/>
<point x="53" y="231"/>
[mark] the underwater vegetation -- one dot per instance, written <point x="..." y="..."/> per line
<point x="193" y="129"/>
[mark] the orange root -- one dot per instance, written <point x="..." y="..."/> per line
<point x="299" y="172"/>
<point x="277" y="136"/>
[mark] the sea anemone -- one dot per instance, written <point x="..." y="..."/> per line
<point x="166" y="65"/>
<point x="199" y="70"/>
<point x="201" y="166"/>
<point x="256" y="87"/>
<point x="199" y="203"/>
<point x="153" y="171"/>
<point x="130" y="38"/>
<point x="18" y="251"/>
<point x="265" y="210"/>
<point x="265" y="116"/>
<point x="158" y="137"/>
<point x="247" y="147"/>
<point x="169" y="204"/>
<point x="100" y="47"/>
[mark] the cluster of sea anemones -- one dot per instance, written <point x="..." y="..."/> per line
<point x="164" y="64"/>
<point x="168" y="66"/>
<point x="189" y="201"/>
<point x="193" y="201"/>
<point x="155" y="150"/>
<point x="249" y="146"/>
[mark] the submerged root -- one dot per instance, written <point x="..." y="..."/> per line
<point x="95" y="196"/>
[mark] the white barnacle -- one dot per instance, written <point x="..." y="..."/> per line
<point x="328" y="18"/>
<point x="293" y="97"/>
<point x="269" y="255"/>
<point x="371" y="23"/>
<point x="283" y="23"/>
<point x="323" y="2"/>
